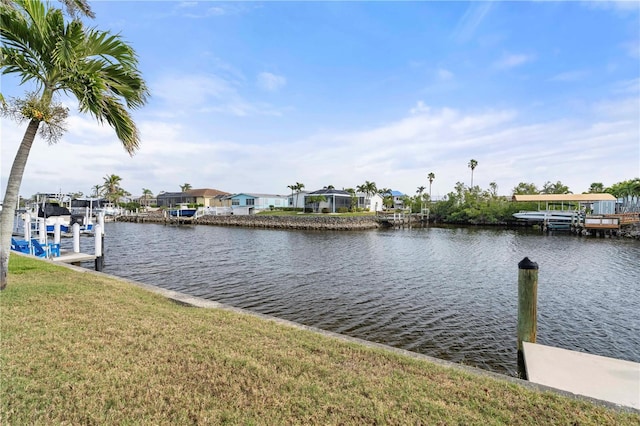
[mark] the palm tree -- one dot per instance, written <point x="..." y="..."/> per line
<point x="431" y="176"/>
<point x="78" y="7"/>
<point x="185" y="187"/>
<point x="369" y="189"/>
<point x="596" y="187"/>
<point x="74" y="8"/>
<point x="96" y="67"/>
<point x="292" y="187"/>
<point x="494" y="189"/>
<point x="354" y="199"/>
<point x="315" y="200"/>
<point x="96" y="191"/>
<point x="472" y="165"/>
<point x="111" y="188"/>
<point x="629" y="190"/>
<point x="146" y="194"/>
<point x="299" y="187"/>
<point x="419" y="192"/>
<point x="387" y="196"/>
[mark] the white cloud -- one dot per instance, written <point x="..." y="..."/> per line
<point x="619" y="6"/>
<point x="513" y="60"/>
<point x="632" y="48"/>
<point x="191" y="90"/>
<point x="186" y="95"/>
<point x="510" y="148"/>
<point x="271" y="82"/>
<point x="569" y="76"/>
<point x="471" y="20"/>
<point x="444" y="75"/>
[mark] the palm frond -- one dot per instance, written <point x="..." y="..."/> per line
<point x="97" y="67"/>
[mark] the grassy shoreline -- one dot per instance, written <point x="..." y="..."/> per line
<point x="83" y="348"/>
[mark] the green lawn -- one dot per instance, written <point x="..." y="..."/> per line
<point x="80" y="348"/>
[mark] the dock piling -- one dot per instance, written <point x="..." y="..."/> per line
<point x="56" y="231"/>
<point x="99" y="262"/>
<point x="42" y="231"/>
<point x="527" y="308"/>
<point x="76" y="237"/>
<point x="27" y="227"/>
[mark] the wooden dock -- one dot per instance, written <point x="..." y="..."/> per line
<point x="610" y="221"/>
<point x="67" y="256"/>
<point x="608" y="379"/>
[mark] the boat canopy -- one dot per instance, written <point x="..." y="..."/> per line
<point x="580" y="198"/>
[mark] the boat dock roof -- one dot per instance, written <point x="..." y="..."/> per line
<point x="582" y="198"/>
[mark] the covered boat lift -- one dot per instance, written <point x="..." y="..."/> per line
<point x="599" y="203"/>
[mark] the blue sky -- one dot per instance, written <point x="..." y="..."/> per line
<point x="252" y="97"/>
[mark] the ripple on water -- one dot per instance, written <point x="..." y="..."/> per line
<point x="447" y="293"/>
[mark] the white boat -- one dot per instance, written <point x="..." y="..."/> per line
<point x="548" y="215"/>
<point x="53" y="213"/>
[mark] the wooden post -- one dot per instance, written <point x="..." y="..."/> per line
<point x="527" y="308"/>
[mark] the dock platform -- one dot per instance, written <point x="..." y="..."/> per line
<point x="594" y="376"/>
<point x="67" y="256"/>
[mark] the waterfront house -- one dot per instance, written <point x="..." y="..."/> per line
<point x="334" y="200"/>
<point x="398" y="201"/>
<point x="145" y="201"/>
<point x="244" y="203"/>
<point x="204" y="197"/>
<point x="370" y="202"/>
<point x="209" y="197"/>
<point x="297" y="199"/>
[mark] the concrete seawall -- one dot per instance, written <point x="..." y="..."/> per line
<point x="274" y="222"/>
<point x="292" y="222"/>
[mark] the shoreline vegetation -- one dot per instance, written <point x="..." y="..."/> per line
<point x="87" y="348"/>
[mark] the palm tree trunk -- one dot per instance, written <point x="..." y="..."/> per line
<point x="11" y="198"/>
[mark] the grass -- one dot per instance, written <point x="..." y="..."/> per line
<point x="79" y="348"/>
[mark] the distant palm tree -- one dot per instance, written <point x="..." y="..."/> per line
<point x="292" y="187"/>
<point x="431" y="176"/>
<point x="96" y="190"/>
<point x="185" y="187"/>
<point x="494" y="189"/>
<point x="387" y="197"/>
<point x="146" y="195"/>
<point x="596" y="187"/>
<point x="111" y="188"/>
<point x="354" y="199"/>
<point x="419" y="191"/>
<point x="472" y="165"/>
<point x="315" y="200"/>
<point x="369" y="188"/>
<point x="299" y="187"/>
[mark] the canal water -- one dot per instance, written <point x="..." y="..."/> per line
<point x="450" y="293"/>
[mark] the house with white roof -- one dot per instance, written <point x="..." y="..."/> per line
<point x="245" y="203"/>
